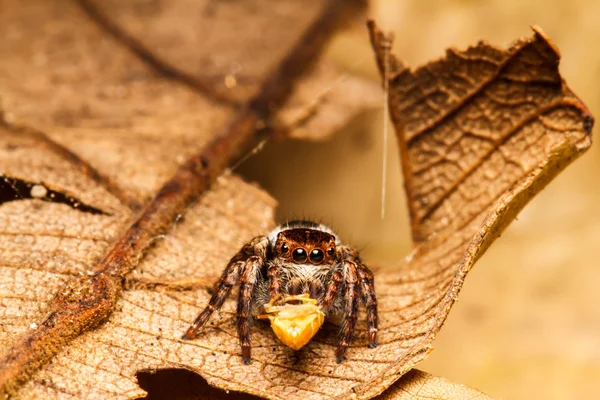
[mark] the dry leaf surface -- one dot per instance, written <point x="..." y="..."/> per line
<point x="101" y="122"/>
<point x="419" y="385"/>
<point x="99" y="111"/>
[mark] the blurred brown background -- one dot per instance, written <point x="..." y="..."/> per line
<point x="527" y="323"/>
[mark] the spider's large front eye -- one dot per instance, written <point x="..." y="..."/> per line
<point x="299" y="255"/>
<point x="316" y="256"/>
<point x="284" y="249"/>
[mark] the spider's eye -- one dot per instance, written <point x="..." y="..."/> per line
<point x="299" y="255"/>
<point x="316" y="256"/>
<point x="284" y="249"/>
<point x="331" y="252"/>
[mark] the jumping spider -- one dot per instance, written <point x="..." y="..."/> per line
<point x="296" y="258"/>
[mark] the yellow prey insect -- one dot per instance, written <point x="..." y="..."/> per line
<point x="294" y="324"/>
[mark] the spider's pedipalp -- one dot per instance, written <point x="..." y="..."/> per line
<point x="275" y="281"/>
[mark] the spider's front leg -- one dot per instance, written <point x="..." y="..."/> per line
<point x="252" y="254"/>
<point x="345" y="274"/>
<point x="367" y="288"/>
<point x="244" y="306"/>
<point x="357" y="280"/>
<point x="350" y="312"/>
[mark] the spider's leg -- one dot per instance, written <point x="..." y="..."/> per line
<point x="244" y="307"/>
<point x="350" y="312"/>
<point x="220" y="292"/>
<point x="367" y="288"/>
<point x="257" y="248"/>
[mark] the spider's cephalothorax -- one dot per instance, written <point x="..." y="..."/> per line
<point x="297" y="258"/>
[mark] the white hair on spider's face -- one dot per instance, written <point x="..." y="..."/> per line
<point x="301" y="224"/>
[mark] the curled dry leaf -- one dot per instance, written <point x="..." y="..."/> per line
<point x="480" y="132"/>
<point x="91" y="299"/>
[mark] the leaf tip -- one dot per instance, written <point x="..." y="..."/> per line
<point x="539" y="33"/>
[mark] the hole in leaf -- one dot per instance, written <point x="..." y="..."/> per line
<point x="13" y="189"/>
<point x="181" y="384"/>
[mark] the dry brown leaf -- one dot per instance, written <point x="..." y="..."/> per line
<point x="206" y="42"/>
<point x="66" y="73"/>
<point x="480" y="132"/>
<point x="98" y="110"/>
<point x="73" y="88"/>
